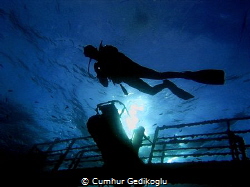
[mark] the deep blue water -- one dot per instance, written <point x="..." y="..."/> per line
<point x="46" y="92"/>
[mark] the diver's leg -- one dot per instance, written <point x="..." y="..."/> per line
<point x="207" y="76"/>
<point x="178" y="91"/>
<point x="143" y="86"/>
<point x="147" y="73"/>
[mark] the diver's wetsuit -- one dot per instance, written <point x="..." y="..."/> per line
<point x="119" y="68"/>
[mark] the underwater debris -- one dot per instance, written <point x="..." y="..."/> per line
<point x="13" y="113"/>
<point x="7" y="57"/>
<point x="247" y="80"/>
<point x="244" y="24"/>
<point x="55" y="62"/>
<point x="233" y="77"/>
<point x="81" y="71"/>
<point x="2" y="13"/>
<point x="103" y="93"/>
<point x="64" y="119"/>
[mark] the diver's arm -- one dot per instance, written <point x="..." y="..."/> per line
<point x="147" y="138"/>
<point x="103" y="79"/>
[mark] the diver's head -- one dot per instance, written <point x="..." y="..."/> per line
<point x="91" y="52"/>
<point x="141" y="128"/>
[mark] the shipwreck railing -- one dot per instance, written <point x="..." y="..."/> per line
<point x="226" y="142"/>
<point x="170" y="144"/>
<point x="69" y="153"/>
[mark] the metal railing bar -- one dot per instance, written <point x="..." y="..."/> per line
<point x="194" y="155"/>
<point x="64" y="140"/>
<point x="191" y="141"/>
<point x="208" y="134"/>
<point x="190" y="148"/>
<point x="204" y="122"/>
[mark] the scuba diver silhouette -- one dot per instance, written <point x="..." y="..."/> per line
<point x="115" y="66"/>
<point x="138" y="137"/>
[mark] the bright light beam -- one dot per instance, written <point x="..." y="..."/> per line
<point x="135" y="108"/>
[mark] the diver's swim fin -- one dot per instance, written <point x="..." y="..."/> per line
<point x="208" y="76"/>
<point x="177" y="91"/>
<point x="124" y="89"/>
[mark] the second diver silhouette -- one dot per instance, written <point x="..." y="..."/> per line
<point x="115" y="66"/>
<point x="138" y="137"/>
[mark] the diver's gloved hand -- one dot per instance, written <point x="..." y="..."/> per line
<point x="100" y="75"/>
<point x="177" y="91"/>
<point x="103" y="80"/>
